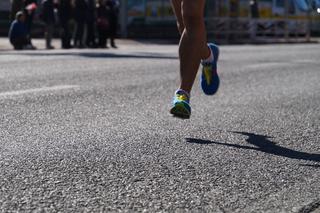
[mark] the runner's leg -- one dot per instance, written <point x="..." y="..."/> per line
<point x="192" y="48"/>
<point x="193" y="44"/>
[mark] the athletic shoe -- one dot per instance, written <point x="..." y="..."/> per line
<point x="180" y="105"/>
<point x="209" y="78"/>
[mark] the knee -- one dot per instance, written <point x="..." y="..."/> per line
<point x="192" y="18"/>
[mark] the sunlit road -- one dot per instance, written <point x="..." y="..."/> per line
<point x="89" y="131"/>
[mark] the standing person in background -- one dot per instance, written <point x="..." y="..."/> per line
<point x="30" y="7"/>
<point x="103" y="22"/>
<point x="254" y="8"/>
<point x="90" y="21"/>
<point x="16" y="6"/>
<point x="64" y="12"/>
<point x="80" y="11"/>
<point x="114" y="14"/>
<point x="254" y="14"/>
<point x="47" y="15"/>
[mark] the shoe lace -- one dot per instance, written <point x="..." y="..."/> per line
<point x="207" y="71"/>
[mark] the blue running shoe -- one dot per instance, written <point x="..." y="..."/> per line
<point x="180" y="106"/>
<point x="209" y="78"/>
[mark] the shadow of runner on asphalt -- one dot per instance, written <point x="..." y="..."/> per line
<point x="145" y="55"/>
<point x="263" y="143"/>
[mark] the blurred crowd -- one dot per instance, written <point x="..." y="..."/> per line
<point x="81" y="23"/>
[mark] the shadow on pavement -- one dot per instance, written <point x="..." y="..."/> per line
<point x="145" y="55"/>
<point x="317" y="166"/>
<point x="263" y="143"/>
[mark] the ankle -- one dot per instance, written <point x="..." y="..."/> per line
<point x="208" y="59"/>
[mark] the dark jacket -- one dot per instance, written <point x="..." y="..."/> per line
<point x="64" y="11"/>
<point x="103" y="17"/>
<point x="17" y="30"/>
<point x="90" y="13"/>
<point x="80" y="10"/>
<point x="47" y="13"/>
<point x="114" y="10"/>
<point x="27" y="2"/>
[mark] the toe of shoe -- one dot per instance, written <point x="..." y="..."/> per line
<point x="210" y="89"/>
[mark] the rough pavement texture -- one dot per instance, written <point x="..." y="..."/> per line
<point x="89" y="131"/>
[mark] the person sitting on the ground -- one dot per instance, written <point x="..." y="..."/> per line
<point x="18" y="33"/>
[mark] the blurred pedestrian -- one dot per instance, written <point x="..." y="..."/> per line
<point x="30" y="7"/>
<point x="254" y="9"/>
<point x="80" y="11"/>
<point x="103" y="22"/>
<point x="114" y="14"/>
<point x="64" y="12"/>
<point x="18" y="33"/>
<point x="90" y="22"/>
<point x="254" y="13"/>
<point x="48" y="17"/>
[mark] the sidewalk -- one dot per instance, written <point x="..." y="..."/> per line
<point x="40" y="43"/>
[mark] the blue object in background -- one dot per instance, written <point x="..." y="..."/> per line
<point x="302" y="5"/>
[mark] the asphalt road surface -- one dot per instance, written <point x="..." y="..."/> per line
<point x="90" y="131"/>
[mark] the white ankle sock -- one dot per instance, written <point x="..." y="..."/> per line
<point x="209" y="59"/>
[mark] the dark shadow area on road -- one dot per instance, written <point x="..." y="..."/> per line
<point x="96" y="55"/>
<point x="317" y="166"/>
<point x="263" y="143"/>
<point x="199" y="141"/>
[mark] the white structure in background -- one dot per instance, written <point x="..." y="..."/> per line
<point x="277" y="21"/>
